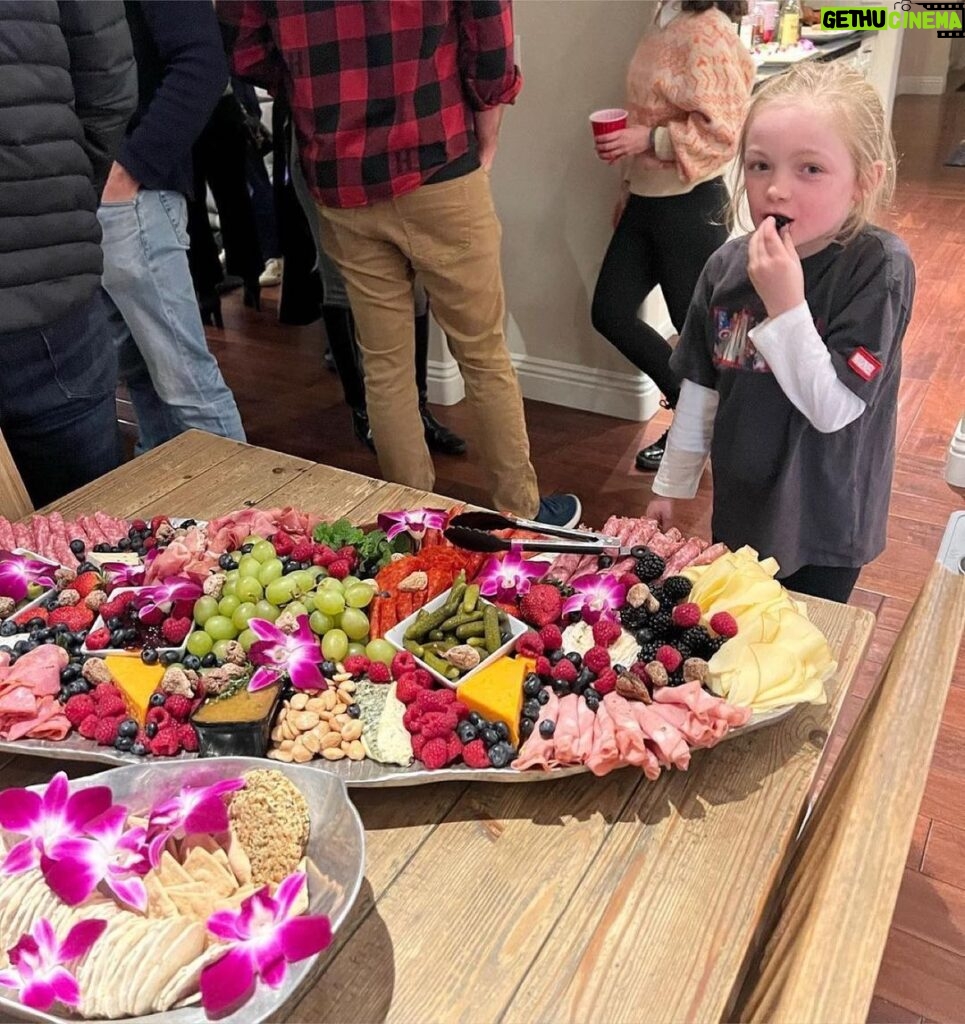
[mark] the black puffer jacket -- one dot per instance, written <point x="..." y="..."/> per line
<point x="68" y="85"/>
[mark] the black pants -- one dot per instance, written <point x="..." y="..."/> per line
<point x="659" y="241"/>
<point x="834" y="582"/>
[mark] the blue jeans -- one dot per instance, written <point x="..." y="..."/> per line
<point x="174" y="381"/>
<point x="57" y="408"/>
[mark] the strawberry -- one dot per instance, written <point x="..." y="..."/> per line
<point x="86" y="582"/>
<point x="35" y="613"/>
<point x="75" y="617"/>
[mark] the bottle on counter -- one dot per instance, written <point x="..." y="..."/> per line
<point x="790" y="26"/>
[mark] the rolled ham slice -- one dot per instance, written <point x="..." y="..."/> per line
<point x="631" y="740"/>
<point x="664" y="739"/>
<point x="537" y="751"/>
<point x="604" y="754"/>
<point x="567" y="735"/>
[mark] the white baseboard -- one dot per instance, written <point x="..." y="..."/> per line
<point x="445" y="384"/>
<point x="955" y="466"/>
<point x="921" y="85"/>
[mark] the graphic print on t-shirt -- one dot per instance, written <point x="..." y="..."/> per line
<point x="733" y="349"/>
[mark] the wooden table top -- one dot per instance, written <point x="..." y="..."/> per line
<point x="582" y="899"/>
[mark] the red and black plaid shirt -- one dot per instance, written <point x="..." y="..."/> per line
<point x="382" y="91"/>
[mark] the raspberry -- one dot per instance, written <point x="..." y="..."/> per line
<point x="357" y="664"/>
<point x="116" y="606"/>
<point x="629" y="579"/>
<point x="423" y="678"/>
<point x="529" y="645"/>
<point x="541" y="605"/>
<point x="403" y="662"/>
<point x="187" y="737"/>
<point x="435" y="753"/>
<point x="606" y="632"/>
<point x="142" y="738"/>
<point x="455" y="748"/>
<point x="323" y="555"/>
<point x="178" y="707"/>
<point x="418" y="742"/>
<point x="111" y="706"/>
<point x="379" y="673"/>
<point x="543" y="667"/>
<point x="435" y="700"/>
<point x="106" y="731"/>
<point x="407" y="688"/>
<point x="158" y="717"/>
<point x="669" y="657"/>
<point x="459" y="710"/>
<point x="302" y="551"/>
<point x="104" y="690"/>
<point x="88" y="727"/>
<point x="78" y="708"/>
<point x="552" y="637"/>
<point x="166" y="743"/>
<point x="283" y="545"/>
<point x="139" y="525"/>
<point x="686" y="616"/>
<point x="605" y="682"/>
<point x="596" y="659"/>
<point x="175" y="630"/>
<point x="474" y="754"/>
<point x="339" y="569"/>
<point x="724" y="624"/>
<point x="349" y="554"/>
<point x="639" y="669"/>
<point x="565" y="671"/>
<point x="86" y="582"/>
<point x="411" y="718"/>
<point x="437" y="723"/>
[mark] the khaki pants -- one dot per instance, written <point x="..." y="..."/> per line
<point x="450" y="234"/>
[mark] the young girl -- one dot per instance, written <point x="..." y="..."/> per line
<point x="790" y="357"/>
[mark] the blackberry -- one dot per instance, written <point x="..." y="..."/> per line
<point x="678" y="587"/>
<point x="676" y="678"/>
<point x="696" y="639"/>
<point x="633" y="619"/>
<point x="660" y="624"/>
<point x="667" y="602"/>
<point x="684" y="649"/>
<point x="649" y="566"/>
<point x="648" y="651"/>
<point x="713" y="645"/>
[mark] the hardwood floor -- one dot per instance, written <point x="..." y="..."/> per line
<point x="290" y="402"/>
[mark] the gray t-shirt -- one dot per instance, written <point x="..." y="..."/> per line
<point x="780" y="485"/>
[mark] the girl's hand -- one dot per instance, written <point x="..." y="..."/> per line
<point x="661" y="509"/>
<point x="774" y="268"/>
<point x="629" y="141"/>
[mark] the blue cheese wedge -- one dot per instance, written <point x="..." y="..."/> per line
<point x="384" y="736"/>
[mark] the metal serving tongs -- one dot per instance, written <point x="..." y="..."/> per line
<point x="472" y="531"/>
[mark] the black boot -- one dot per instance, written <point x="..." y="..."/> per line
<point x="360" y="424"/>
<point x="648" y="459"/>
<point x="438" y="437"/>
<point x="340" y="328"/>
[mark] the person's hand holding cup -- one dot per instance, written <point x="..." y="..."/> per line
<point x="614" y="139"/>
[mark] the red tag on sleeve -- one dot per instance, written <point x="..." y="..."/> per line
<point x="864" y="364"/>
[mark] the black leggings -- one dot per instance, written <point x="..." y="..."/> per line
<point x="664" y="241"/>
<point x="835" y="582"/>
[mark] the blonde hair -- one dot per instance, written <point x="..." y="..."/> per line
<point x="851" y="100"/>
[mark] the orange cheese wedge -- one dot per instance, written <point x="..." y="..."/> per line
<point x="136" y="681"/>
<point x="496" y="692"/>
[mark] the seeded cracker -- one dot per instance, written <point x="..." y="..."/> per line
<point x="270" y="818"/>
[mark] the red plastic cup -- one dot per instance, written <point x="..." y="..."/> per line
<point x="610" y="120"/>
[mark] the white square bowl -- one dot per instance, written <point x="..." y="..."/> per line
<point x="396" y="634"/>
<point x="134" y="652"/>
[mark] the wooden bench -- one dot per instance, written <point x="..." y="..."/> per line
<point x="15" y="503"/>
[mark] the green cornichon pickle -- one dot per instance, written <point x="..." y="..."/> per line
<point x="440" y="665"/>
<point x="432" y="621"/>
<point x="470" y="598"/>
<point x="454" y="621"/>
<point x="491" y="628"/>
<point x="455" y="595"/>
<point x="471" y="629"/>
<point x="413" y="648"/>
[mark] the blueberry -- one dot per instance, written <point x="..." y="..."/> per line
<point x="127" y="728"/>
<point x="61" y="628"/>
<point x="227" y="562"/>
<point x="169" y="657"/>
<point x="86" y="567"/>
<point x="67" y="673"/>
<point x="531" y="709"/>
<point x="76" y="687"/>
<point x="124" y="544"/>
<point x="151" y="730"/>
<point x="593" y="704"/>
<point x="575" y="659"/>
<point x="101" y="548"/>
<point x="620" y="669"/>
<point x="543" y="697"/>
<point x="74" y="646"/>
<point x="560" y="687"/>
<point x="139" y="749"/>
<point x="78" y="547"/>
<point x="501" y="754"/>
<point x="134" y="534"/>
<point x="157" y="700"/>
<point x="21" y="647"/>
<point x="501" y="730"/>
<point x="36" y="623"/>
<point x="246" y="548"/>
<point x="117" y="638"/>
<point x="466" y="732"/>
<point x="149" y="656"/>
<point x="556" y="656"/>
<point x="123" y="743"/>
<point x="130" y="635"/>
<point x="532" y="684"/>
<point x="209" y="660"/>
<point x="547" y="728"/>
<point x="477" y="719"/>
<point x="329" y="668"/>
<point x="114" y="622"/>
<point x="8" y="628"/>
<point x="526" y="727"/>
<point x="604" y="561"/>
<point x="590" y="694"/>
<point x="489" y="735"/>
<point x="353" y="711"/>
<point x="192" y="661"/>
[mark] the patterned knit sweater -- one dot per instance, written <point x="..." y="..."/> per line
<point x="692" y="81"/>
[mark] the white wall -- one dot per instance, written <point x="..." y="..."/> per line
<point x="555" y="199"/>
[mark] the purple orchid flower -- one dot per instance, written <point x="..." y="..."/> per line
<point x="162" y="596"/>
<point x="17" y="572"/>
<point x="504" y="579"/>
<point x="195" y="809"/>
<point x="596" y="595"/>
<point x="414" y="521"/>
<point x="37" y="962"/>
<point x="296" y="655"/>
<point x="265" y="938"/>
<point x="120" y="575"/>
<point x="47" y="819"/>
<point x="110" y="853"/>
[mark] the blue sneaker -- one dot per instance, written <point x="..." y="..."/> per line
<point x="562" y="510"/>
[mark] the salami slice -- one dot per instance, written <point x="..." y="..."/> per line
<point x="7" y="540"/>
